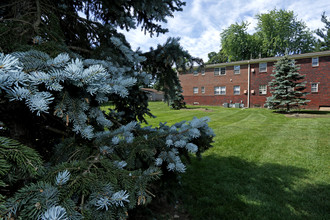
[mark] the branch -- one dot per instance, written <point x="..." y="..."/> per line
<point x="96" y="160"/>
<point x="56" y="130"/>
<point x="10" y="4"/>
<point x="79" y="49"/>
<point x="38" y="21"/>
<point x="18" y="20"/>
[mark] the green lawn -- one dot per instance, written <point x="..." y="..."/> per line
<point x="263" y="165"/>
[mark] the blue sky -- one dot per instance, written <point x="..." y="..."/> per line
<point x="200" y="23"/>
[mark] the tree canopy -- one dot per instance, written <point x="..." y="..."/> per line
<point x="277" y="32"/>
<point x="219" y="57"/>
<point x="82" y="26"/>
<point x="237" y="44"/>
<point x="324" y="34"/>
<point x="280" y="31"/>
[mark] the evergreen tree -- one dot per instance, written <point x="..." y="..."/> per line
<point x="178" y="101"/>
<point x="160" y="63"/>
<point x="287" y="86"/>
<point x="63" y="156"/>
<point x="97" y="165"/>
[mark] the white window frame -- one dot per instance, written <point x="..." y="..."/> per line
<point x="315" y="87"/>
<point x="203" y="72"/>
<point x="195" y="90"/>
<point x="237" y="69"/>
<point x="220" y="90"/>
<point x="195" y="73"/>
<point x="315" y="61"/>
<point x="203" y="89"/>
<point x="237" y="91"/>
<point x="218" y="71"/>
<point x="262" y="69"/>
<point x="262" y="91"/>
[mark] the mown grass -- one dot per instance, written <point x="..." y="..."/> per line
<point x="263" y="165"/>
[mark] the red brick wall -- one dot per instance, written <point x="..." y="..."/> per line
<point x="319" y="74"/>
<point x="209" y="81"/>
<point x="258" y="78"/>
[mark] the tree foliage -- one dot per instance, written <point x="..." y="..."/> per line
<point x="219" y="57"/>
<point x="163" y="62"/>
<point x="237" y="44"/>
<point x="62" y="155"/>
<point x="277" y="32"/>
<point x="97" y="164"/>
<point x="280" y="32"/>
<point x="287" y="87"/>
<point x="60" y="25"/>
<point x="324" y="34"/>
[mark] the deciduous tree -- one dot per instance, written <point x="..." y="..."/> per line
<point x="280" y="31"/>
<point x="324" y="34"/>
<point x="237" y="44"/>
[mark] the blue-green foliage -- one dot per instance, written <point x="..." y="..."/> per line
<point x="287" y="87"/>
<point x="54" y="213"/>
<point x="101" y="168"/>
<point x="62" y="177"/>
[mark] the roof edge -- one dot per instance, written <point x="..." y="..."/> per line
<point x="270" y="59"/>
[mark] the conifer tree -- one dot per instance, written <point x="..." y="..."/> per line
<point x="178" y="101"/>
<point x="62" y="154"/>
<point x="287" y="86"/>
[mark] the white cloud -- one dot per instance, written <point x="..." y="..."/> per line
<point x="200" y="23"/>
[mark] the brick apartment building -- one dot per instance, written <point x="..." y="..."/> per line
<point x="246" y="82"/>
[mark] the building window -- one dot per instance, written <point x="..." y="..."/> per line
<point x="195" y="73"/>
<point x="315" y="61"/>
<point x="220" y="90"/>
<point x="237" y="90"/>
<point x="203" y="89"/>
<point x="220" y="71"/>
<point x="262" y="89"/>
<point x="216" y="71"/>
<point x="237" y="69"/>
<point x="315" y="87"/>
<point x="203" y="72"/>
<point x="223" y="71"/>
<point x="262" y="67"/>
<point x="195" y="90"/>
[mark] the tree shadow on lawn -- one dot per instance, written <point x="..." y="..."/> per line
<point x="309" y="112"/>
<point x="232" y="188"/>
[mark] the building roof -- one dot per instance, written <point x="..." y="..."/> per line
<point x="271" y="59"/>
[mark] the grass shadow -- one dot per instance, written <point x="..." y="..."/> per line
<point x="232" y="188"/>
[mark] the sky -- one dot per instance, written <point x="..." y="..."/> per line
<point x="200" y="23"/>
